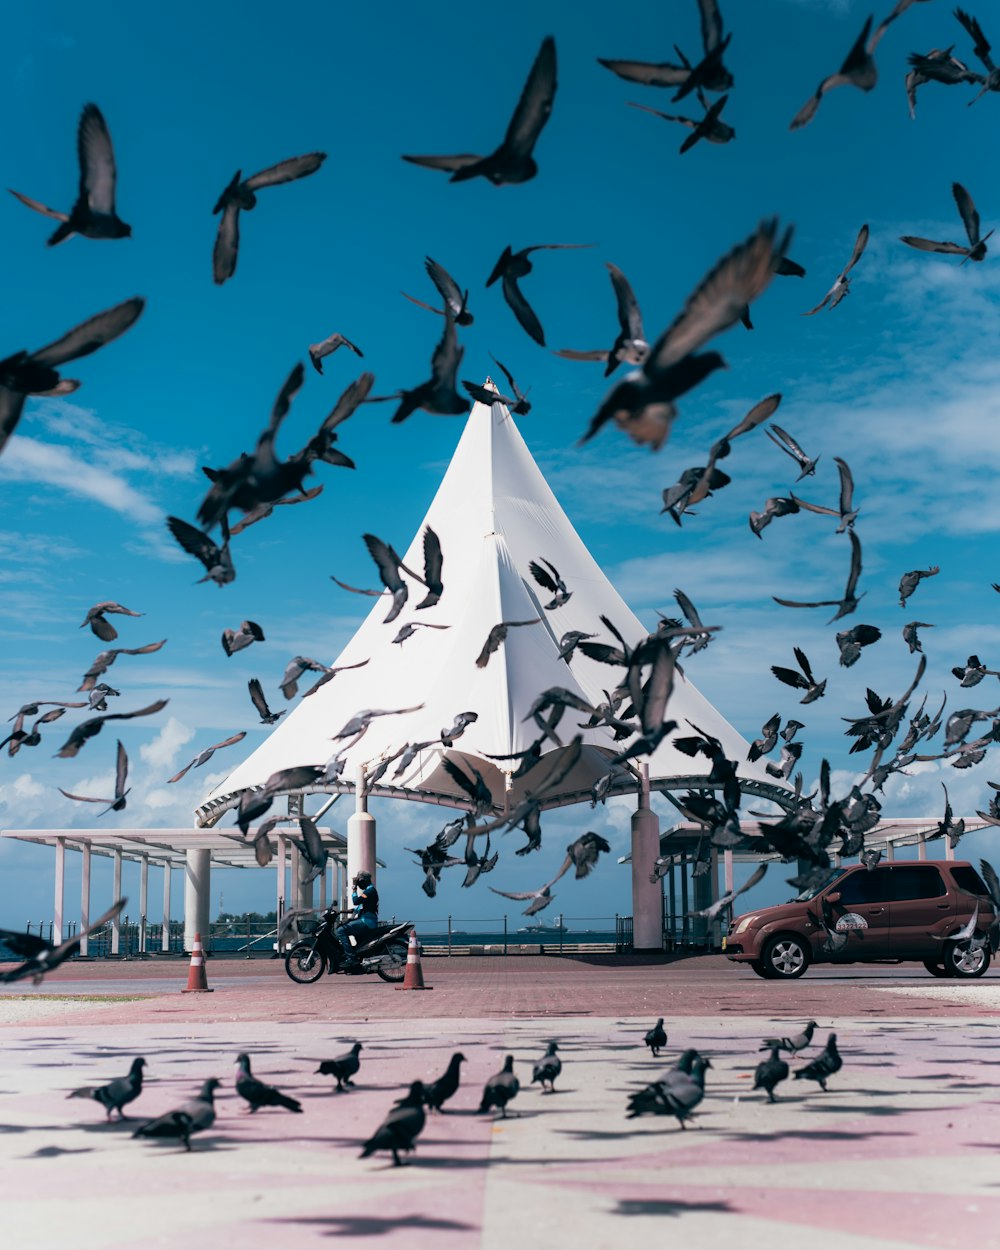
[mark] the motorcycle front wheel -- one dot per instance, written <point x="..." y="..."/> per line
<point x="304" y="963"/>
<point x="392" y="965"/>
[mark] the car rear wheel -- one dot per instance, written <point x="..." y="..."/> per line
<point x="785" y="957"/>
<point x="965" y="960"/>
<point x="936" y="969"/>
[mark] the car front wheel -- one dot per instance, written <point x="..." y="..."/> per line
<point x="785" y="957"/>
<point x="965" y="959"/>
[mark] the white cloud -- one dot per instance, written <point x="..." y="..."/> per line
<point x="162" y="752"/>
<point x="27" y="460"/>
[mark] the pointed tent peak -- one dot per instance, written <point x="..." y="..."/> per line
<point x="490" y="385"/>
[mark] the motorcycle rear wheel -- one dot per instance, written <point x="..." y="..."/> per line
<point x="392" y="966"/>
<point x="304" y="963"/>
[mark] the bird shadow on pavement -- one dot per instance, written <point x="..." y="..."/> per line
<point x="805" y="1135"/>
<point x="579" y="1134"/>
<point x="663" y="1206"/>
<point x="52" y="1152"/>
<point x="200" y="1145"/>
<point x="376" y="1226"/>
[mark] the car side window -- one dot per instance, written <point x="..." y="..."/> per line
<point x="915" y="882"/>
<point x="865" y="887"/>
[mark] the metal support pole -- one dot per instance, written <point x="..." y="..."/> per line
<point x="922" y="847"/>
<point x="322" y="889"/>
<point x="449" y="936"/>
<point x="949" y="850"/>
<point x="361" y="832"/>
<point x="684" y="898"/>
<point x="295" y="884"/>
<point x="672" y="894"/>
<point x="116" y="890"/>
<point x="279" y="866"/>
<point x="85" y="900"/>
<point x="59" y="902"/>
<point x="727" y="870"/>
<point x="197" y="896"/>
<point x="165" y="935"/>
<point x="143" y="901"/>
<point x="647" y="903"/>
<point x="890" y="850"/>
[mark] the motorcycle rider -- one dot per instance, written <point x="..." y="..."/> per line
<point x="364" y="898"/>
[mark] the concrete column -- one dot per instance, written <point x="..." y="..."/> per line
<point x="727" y="871"/>
<point x="59" y="902"/>
<point x="143" y="901"/>
<point x="890" y="851"/>
<point x="116" y="890"/>
<point x="703" y="891"/>
<point x="361" y="833"/>
<point x="85" y="900"/>
<point x="322" y="888"/>
<point x="672" y="905"/>
<point x="647" y="896"/>
<point x="279" y="865"/>
<point x="197" y="896"/>
<point x="295" y="883"/>
<point x="165" y="939"/>
<point x="949" y="850"/>
<point x="922" y="847"/>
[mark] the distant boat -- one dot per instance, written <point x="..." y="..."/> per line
<point x="558" y="927"/>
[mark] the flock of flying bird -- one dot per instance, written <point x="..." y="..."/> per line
<point x="676" y="1092"/>
<point x="643" y="404"/>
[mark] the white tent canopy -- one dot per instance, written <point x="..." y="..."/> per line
<point x="493" y="513"/>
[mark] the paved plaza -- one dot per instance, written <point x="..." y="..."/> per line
<point x="904" y="1149"/>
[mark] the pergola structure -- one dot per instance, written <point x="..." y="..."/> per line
<point x="194" y="850"/>
<point x="494" y="515"/>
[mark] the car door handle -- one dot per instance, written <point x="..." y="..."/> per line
<point x="874" y="911"/>
<point x="944" y="906"/>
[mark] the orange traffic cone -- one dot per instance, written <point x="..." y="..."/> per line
<point x="197" y="980"/>
<point x="414" y="978"/>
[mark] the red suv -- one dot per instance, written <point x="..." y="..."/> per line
<point x="911" y="910"/>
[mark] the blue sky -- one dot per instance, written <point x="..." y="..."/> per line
<point x="900" y="379"/>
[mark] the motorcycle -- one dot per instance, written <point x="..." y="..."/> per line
<point x="320" y="951"/>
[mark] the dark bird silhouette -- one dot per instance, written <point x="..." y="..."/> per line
<point x="88" y="729"/>
<point x="189" y="1118"/>
<point x="261" y="511"/>
<point x="938" y="65"/>
<point x="477" y="789"/>
<point x="976" y="249"/>
<point x="204" y="756"/>
<point x="858" y="70"/>
<point x="93" y="215"/>
<point x="257" y="698"/>
<point x="792" y="1044"/>
<point x="709" y="126"/>
<point x="709" y="74"/>
<point x="240" y="196"/>
<point x="850" y="642"/>
<point x="656" y="1038"/>
<point x="981" y="49"/>
<point x="547" y="1069"/>
<point x="630" y="345"/>
<point x="676" y="1093"/>
<point x="768" y="739"/>
<point x="910" y="581"/>
<point x="513" y="161"/>
<point x="437" y="1093"/>
<point x="455" y="299"/>
<point x="103" y="628"/>
<point x="118" y="803"/>
<point x="117" y="1093"/>
<point x="549" y="579"/>
<point x="217" y="560"/>
<point x="842" y="285"/>
<point x="234" y="640"/>
<point x="500" y="1089"/>
<point x="106" y="658"/>
<point x="845" y="512"/>
<point x="515" y="265"/>
<point x="438" y="394"/>
<point x="255" y="1093"/>
<point x="496" y="636"/>
<point x="846" y="605"/>
<point x="770" y="1073"/>
<point x="39" y="957"/>
<point x="801" y="681"/>
<point x="36" y="373"/>
<point x="643" y="402"/>
<point x="972" y="672"/>
<point x="343" y="1068"/>
<point x="518" y="406"/>
<point x="825" y="1065"/>
<point x="401" y="1127"/>
<point x="781" y="438"/>
<point x="776" y="506"/>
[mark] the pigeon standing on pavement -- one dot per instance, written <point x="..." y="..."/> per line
<point x="401" y="1126"/>
<point x="547" y="1069"/>
<point x="255" y="1093"/>
<point x="770" y="1072"/>
<point x="343" y="1067"/>
<point x="117" y="1093"/>
<point x="500" y="1088"/>
<point x="792" y="1044"/>
<point x="437" y="1093"/>
<point x="677" y="1093"/>
<point x="656" y="1038"/>
<point x="189" y="1118"/>
<point x="824" y="1065"/>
